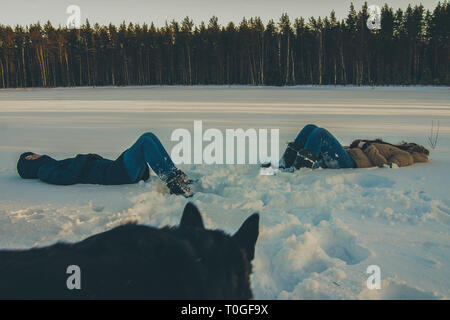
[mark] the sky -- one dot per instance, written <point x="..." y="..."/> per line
<point x="24" y="12"/>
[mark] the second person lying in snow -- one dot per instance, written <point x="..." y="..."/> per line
<point x="315" y="147"/>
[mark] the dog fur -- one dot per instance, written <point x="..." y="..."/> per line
<point x="138" y="262"/>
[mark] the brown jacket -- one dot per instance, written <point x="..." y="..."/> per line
<point x="379" y="154"/>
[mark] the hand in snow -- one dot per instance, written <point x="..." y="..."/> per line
<point x="390" y="165"/>
<point x="33" y="157"/>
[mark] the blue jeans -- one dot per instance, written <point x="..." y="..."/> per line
<point x="148" y="150"/>
<point x="325" y="146"/>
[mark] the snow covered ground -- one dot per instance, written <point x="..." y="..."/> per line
<point x="320" y="230"/>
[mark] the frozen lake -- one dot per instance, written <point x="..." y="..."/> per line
<point x="320" y="229"/>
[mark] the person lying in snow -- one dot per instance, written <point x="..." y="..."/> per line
<point x="315" y="147"/>
<point x="130" y="167"/>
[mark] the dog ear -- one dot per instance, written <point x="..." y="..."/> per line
<point x="247" y="235"/>
<point x="191" y="217"/>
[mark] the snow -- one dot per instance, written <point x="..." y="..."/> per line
<point x="320" y="229"/>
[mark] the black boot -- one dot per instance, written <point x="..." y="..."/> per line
<point x="305" y="159"/>
<point x="179" y="186"/>
<point x="289" y="156"/>
<point x="184" y="177"/>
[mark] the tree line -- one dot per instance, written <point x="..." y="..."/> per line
<point x="411" y="47"/>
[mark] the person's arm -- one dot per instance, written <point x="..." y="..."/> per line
<point x="61" y="174"/>
<point x="400" y="158"/>
<point x="375" y="156"/>
<point x="419" y="157"/>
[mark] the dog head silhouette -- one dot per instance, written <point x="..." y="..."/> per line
<point x="224" y="259"/>
<point x="138" y="262"/>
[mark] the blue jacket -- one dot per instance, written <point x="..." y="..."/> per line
<point x="88" y="168"/>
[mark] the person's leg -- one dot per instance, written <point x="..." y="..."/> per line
<point x="327" y="148"/>
<point x="160" y="147"/>
<point x="148" y="150"/>
<point x="289" y="155"/>
<point x="303" y="135"/>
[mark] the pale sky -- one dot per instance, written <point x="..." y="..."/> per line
<point x="13" y="12"/>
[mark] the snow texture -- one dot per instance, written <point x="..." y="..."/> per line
<point x="320" y="229"/>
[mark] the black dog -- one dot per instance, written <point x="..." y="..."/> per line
<point x="137" y="262"/>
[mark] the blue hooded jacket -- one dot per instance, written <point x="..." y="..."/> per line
<point x="84" y="168"/>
